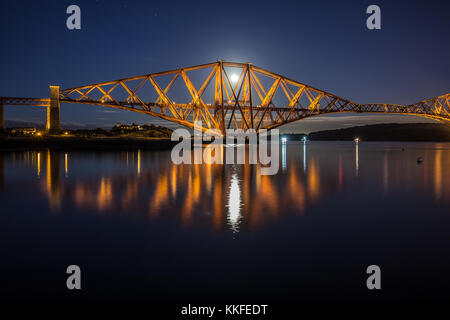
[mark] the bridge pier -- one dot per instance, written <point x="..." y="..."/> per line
<point x="53" y="116"/>
<point x="2" y="116"/>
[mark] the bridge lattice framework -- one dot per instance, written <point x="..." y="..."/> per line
<point x="222" y="95"/>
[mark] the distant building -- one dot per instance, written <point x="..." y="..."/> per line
<point x="23" y="131"/>
<point x="127" y="127"/>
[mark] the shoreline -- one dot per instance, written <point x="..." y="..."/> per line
<point x="85" y="143"/>
<point x="122" y="144"/>
<point x="402" y="132"/>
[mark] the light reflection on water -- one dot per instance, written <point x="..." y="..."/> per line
<point x="234" y="203"/>
<point x="168" y="231"/>
<point x="147" y="184"/>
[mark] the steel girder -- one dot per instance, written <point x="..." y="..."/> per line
<point x="225" y="95"/>
<point x="15" y="101"/>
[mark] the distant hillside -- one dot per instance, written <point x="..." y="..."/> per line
<point x="388" y="132"/>
<point x="23" y="124"/>
<point x="40" y="125"/>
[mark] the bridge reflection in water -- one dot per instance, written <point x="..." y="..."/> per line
<point x="147" y="184"/>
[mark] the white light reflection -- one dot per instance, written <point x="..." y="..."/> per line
<point x="234" y="204"/>
<point x="304" y="156"/>
<point x="283" y="157"/>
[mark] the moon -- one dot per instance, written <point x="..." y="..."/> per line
<point x="234" y="78"/>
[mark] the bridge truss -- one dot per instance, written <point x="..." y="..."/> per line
<point x="225" y="95"/>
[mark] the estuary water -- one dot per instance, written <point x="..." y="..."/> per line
<point x="141" y="227"/>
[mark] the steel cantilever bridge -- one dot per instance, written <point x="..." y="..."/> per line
<point x="221" y="95"/>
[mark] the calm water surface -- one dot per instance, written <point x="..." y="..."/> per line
<point x="141" y="227"/>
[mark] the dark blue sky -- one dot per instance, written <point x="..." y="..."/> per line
<point x="322" y="43"/>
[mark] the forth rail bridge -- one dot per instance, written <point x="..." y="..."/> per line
<point x="227" y="95"/>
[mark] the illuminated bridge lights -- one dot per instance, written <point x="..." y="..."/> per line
<point x="226" y="95"/>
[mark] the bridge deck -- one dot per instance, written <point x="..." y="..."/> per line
<point x="232" y="95"/>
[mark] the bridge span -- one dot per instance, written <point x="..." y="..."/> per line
<point x="221" y="95"/>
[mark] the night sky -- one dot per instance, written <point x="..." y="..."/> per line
<point x="321" y="43"/>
